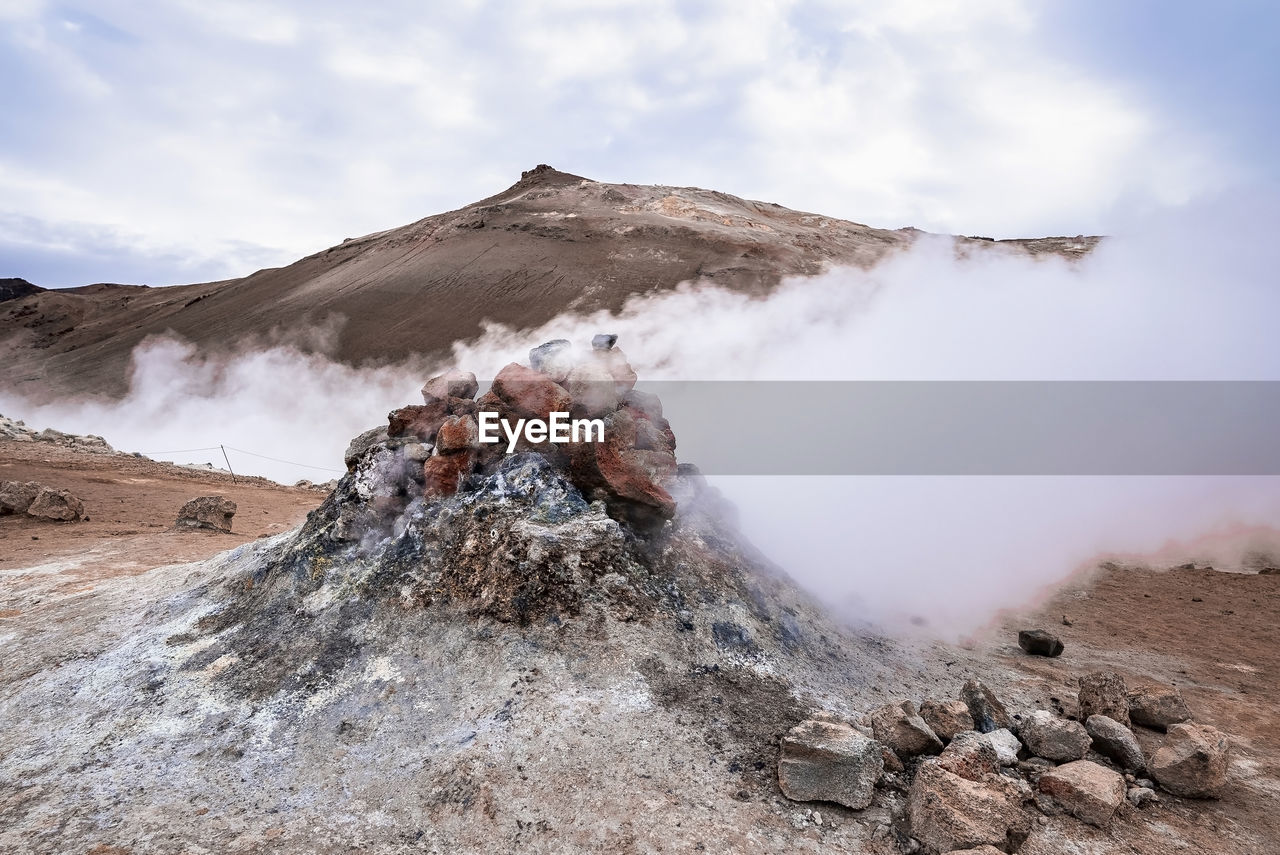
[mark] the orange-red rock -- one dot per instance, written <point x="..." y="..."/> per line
<point x="529" y="394"/>
<point x="443" y="473"/>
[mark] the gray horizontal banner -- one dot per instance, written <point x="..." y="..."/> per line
<point x="975" y="428"/>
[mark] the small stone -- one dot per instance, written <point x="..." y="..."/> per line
<point x="1192" y="762"/>
<point x="1037" y="642"/>
<point x="827" y="761"/>
<point x="946" y="718"/>
<point x="213" y="513"/>
<point x="981" y="850"/>
<point x="593" y="390"/>
<point x="1104" y="693"/>
<point x="1114" y="740"/>
<point x="416" y="452"/>
<point x="361" y="445"/>
<point x="1058" y="739"/>
<point x="1034" y="767"/>
<point x="1086" y="790"/>
<point x="900" y="727"/>
<point x="1141" y="796"/>
<point x="985" y="708"/>
<point x="603" y="341"/>
<point x="1157" y="707"/>
<point x="451" y="384"/>
<point x="457" y="433"/>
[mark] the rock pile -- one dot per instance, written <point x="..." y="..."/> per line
<point x="981" y="788"/>
<point x="36" y="500"/>
<point x="17" y="431"/>
<point x="429" y="451"/>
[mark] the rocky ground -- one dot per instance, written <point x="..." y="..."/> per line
<point x="516" y="667"/>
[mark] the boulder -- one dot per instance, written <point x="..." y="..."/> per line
<point x="985" y="708"/>
<point x="616" y="363"/>
<point x="1053" y="738"/>
<point x="900" y="727"/>
<point x="530" y="394"/>
<point x="946" y="718"/>
<point x="593" y="390"/>
<point x="417" y="420"/>
<point x="1192" y="762"/>
<point x="360" y="446"/>
<point x="1104" y="693"/>
<point x="1006" y="745"/>
<point x="829" y="761"/>
<point x="554" y="359"/>
<point x="1037" y="642"/>
<point x="970" y="755"/>
<point x="1157" y="707"/>
<point x="949" y="812"/>
<point x="1089" y="792"/>
<point x="457" y="433"/>
<point x="17" y="496"/>
<point x="213" y="513"/>
<point x="55" y="505"/>
<point x="1112" y="739"/>
<point x="443" y="474"/>
<point x="631" y="481"/>
<point x="451" y="384"/>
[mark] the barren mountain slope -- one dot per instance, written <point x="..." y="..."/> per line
<point x="550" y="243"/>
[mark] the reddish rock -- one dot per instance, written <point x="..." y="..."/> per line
<point x="946" y="718"/>
<point x="451" y="384"/>
<point x="1192" y="762"/>
<point x="56" y="505"/>
<point x="1089" y="792"/>
<point x="462" y="407"/>
<point x="17" y="496"/>
<point x="442" y="474"/>
<point x="457" y="433"/>
<point x="419" y="420"/>
<point x="528" y="393"/>
<point x="615" y="362"/>
<point x="949" y="812"/>
<point x="1157" y="707"/>
<point x="630" y="479"/>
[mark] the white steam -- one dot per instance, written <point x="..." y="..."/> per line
<point x="1183" y="296"/>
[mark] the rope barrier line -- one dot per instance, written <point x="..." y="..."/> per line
<point x="241" y="451"/>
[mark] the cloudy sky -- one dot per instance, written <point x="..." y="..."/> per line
<point x="186" y="140"/>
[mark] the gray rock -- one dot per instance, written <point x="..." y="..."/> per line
<point x="55" y="505"/>
<point x="1006" y="745"/>
<point x="1053" y="738"/>
<point x="554" y="359"/>
<point x="900" y="727"/>
<point x="451" y="384"/>
<point x="1192" y="762"/>
<point x="1104" y="693"/>
<point x="1086" y="790"/>
<point x="829" y="761"/>
<point x="946" y="718"/>
<point x="360" y="446"/>
<point x="948" y="812"/>
<point x="1033" y="767"/>
<point x="603" y="341"/>
<point x="1114" y="740"/>
<point x="17" y="496"/>
<point x="985" y="708"/>
<point x="1157" y="707"/>
<point x="1037" y="642"/>
<point x="970" y="755"/>
<point x="207" y="512"/>
<point x="1141" y="796"/>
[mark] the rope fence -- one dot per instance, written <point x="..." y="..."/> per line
<point x="226" y="448"/>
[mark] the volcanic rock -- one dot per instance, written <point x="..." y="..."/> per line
<point x="1114" y="740"/>
<point x="631" y="479"/>
<point x="554" y="359"/>
<point x="1086" y="790"/>
<point x="56" y="505"/>
<point x="603" y="341"/>
<point x="1157" y="707"/>
<point x="593" y="390"/>
<point x="829" y="761"/>
<point x="451" y="384"/>
<point x="900" y="727"/>
<point x="985" y="708"/>
<point x="1192" y="762"/>
<point x="1140" y="796"/>
<point x="457" y="433"/>
<point x="213" y="513"/>
<point x="1037" y="642"/>
<point x="1104" y="693"/>
<point x="443" y="474"/>
<point x="980" y="850"/>
<point x="1053" y="738"/>
<point x="17" y="496"/>
<point x="417" y="420"/>
<point x="615" y="361"/>
<point x="530" y="394"/>
<point x="1006" y="745"/>
<point x="970" y="755"/>
<point x="950" y="812"/>
<point x="359" y="446"/>
<point x="946" y="718"/>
